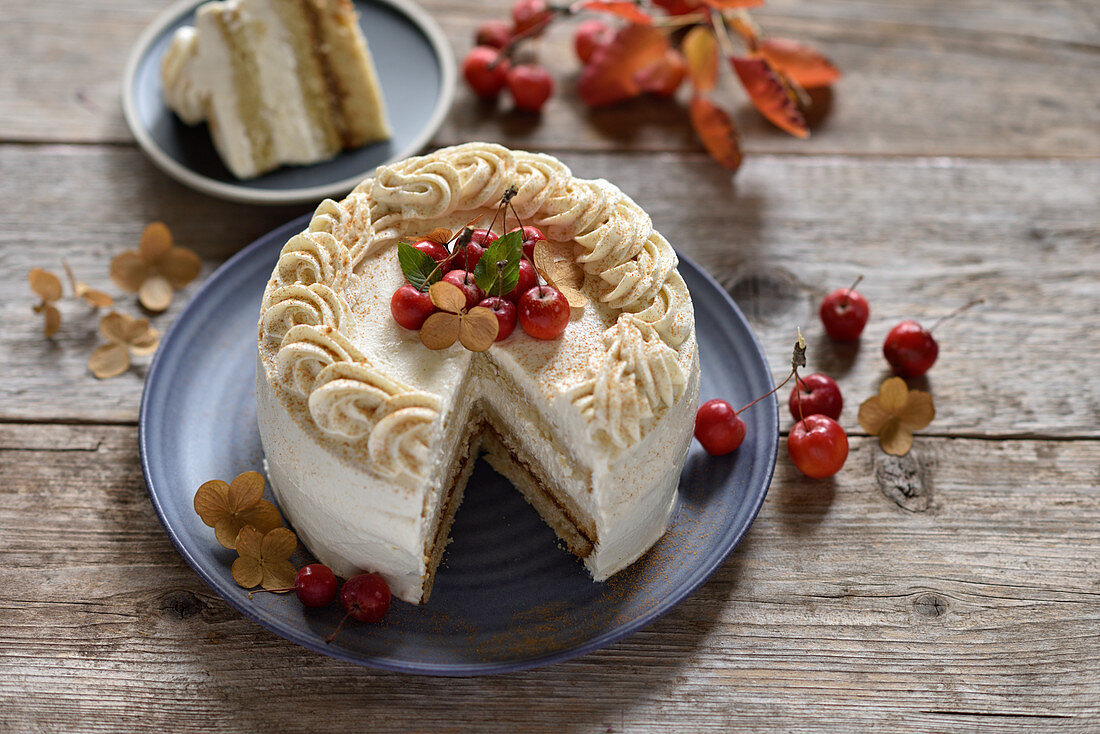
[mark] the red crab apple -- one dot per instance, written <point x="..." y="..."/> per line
<point x="818" y="446"/>
<point x="411" y="307"/>
<point x="910" y="349"/>
<point x="528" y="279"/>
<point x="465" y="282"/>
<point x="816" y="394"/>
<point x="543" y="312"/>
<point x="844" y="313"/>
<point x="485" y="71"/>
<point x="531" y="85"/>
<point x="505" y="311"/>
<point x="718" y="427"/>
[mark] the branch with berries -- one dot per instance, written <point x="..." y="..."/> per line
<point x="654" y="53"/>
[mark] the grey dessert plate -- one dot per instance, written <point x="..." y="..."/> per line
<point x="506" y="597"/>
<point x="416" y="70"/>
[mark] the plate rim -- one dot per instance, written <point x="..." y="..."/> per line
<point x="247" y="195"/>
<point x="468" y="668"/>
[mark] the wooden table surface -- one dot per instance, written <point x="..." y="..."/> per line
<point x="957" y="588"/>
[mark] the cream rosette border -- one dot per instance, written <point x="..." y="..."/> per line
<point x="627" y="384"/>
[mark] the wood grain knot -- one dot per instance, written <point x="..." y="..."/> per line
<point x="180" y="604"/>
<point x="930" y="605"/>
<point x="904" y="480"/>
<point x="765" y="295"/>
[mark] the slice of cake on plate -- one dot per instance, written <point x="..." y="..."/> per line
<point x="277" y="81"/>
<point x="370" y="436"/>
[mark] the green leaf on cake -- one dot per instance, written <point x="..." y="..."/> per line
<point x="418" y="267"/>
<point x="489" y="276"/>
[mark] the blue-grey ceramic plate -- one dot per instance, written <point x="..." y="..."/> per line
<point x="507" y="597"/>
<point x="416" y="70"/>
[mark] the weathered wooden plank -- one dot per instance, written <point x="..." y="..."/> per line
<point x="841" y="611"/>
<point x="927" y="235"/>
<point x="932" y="77"/>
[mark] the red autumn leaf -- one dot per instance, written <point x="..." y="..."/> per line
<point x="801" y="63"/>
<point x="770" y="94"/>
<point x="700" y="48"/>
<point x="732" y="4"/>
<point x="678" y="7"/>
<point x="664" y="77"/>
<point x="610" y="75"/>
<point x="715" y="128"/>
<point x="628" y="11"/>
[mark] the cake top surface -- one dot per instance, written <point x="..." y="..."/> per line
<point x="328" y="341"/>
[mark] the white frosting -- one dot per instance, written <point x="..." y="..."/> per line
<point x="360" y="421"/>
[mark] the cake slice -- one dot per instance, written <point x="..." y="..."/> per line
<point x="277" y="81"/>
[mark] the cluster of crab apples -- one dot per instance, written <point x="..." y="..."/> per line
<point x="540" y="309"/>
<point x="817" y="444"/>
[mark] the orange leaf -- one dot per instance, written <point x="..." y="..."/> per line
<point x="628" y="11"/>
<point x="801" y="63"/>
<point x="610" y="75"/>
<point x="678" y="7"/>
<point x="715" y="128"/>
<point x="700" y="48"/>
<point x="732" y="4"/>
<point x="743" y="26"/>
<point x="770" y="94"/>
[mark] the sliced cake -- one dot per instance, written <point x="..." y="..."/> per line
<point x="277" y="81"/>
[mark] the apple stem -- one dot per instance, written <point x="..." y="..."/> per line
<point x="792" y="373"/>
<point x="330" y="638"/>
<point x="798" y="359"/>
<point x="849" y="289"/>
<point x="522" y="254"/>
<point x="956" y="312"/>
<point x="510" y="47"/>
<point x="495" y="215"/>
<point x="798" y="399"/>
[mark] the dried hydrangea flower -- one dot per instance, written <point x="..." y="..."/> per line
<point x="559" y="269"/>
<point x="46" y="286"/>
<point x="263" y="559"/>
<point x="895" y="413"/>
<point x="156" y="268"/>
<point x="229" y="507"/>
<point x="125" y="335"/>
<point x="475" y="329"/>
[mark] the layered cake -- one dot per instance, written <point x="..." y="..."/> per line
<point x="277" y="81"/>
<point x="370" y="436"/>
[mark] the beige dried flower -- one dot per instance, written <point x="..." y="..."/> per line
<point x="895" y="413"/>
<point x="264" y="559"/>
<point x="229" y="507"/>
<point x="125" y="336"/>
<point x="156" y="268"/>
<point x="475" y="329"/>
<point x="556" y="264"/>
<point x="46" y="286"/>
